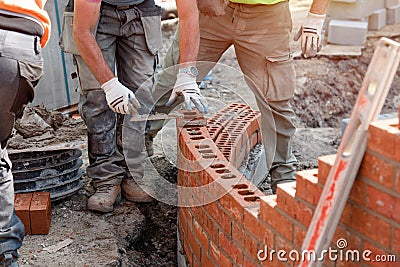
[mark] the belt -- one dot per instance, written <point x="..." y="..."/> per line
<point x="118" y="7"/>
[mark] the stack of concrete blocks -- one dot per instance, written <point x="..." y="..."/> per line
<point x="349" y="20"/>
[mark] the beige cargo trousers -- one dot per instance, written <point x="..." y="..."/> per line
<point x="260" y="35"/>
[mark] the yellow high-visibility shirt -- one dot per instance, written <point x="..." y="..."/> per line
<point x="32" y="8"/>
<point x="254" y="2"/>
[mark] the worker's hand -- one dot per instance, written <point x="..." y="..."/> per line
<point x="310" y="33"/>
<point x="186" y="85"/>
<point x="119" y="98"/>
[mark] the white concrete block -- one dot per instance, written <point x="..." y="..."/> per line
<point x="391" y="3"/>
<point x="353" y="9"/>
<point x="393" y="15"/>
<point x="347" y="32"/>
<point x="377" y="20"/>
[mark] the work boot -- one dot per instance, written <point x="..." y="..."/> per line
<point x="133" y="192"/>
<point x="148" y="143"/>
<point x="9" y="259"/>
<point x="104" y="198"/>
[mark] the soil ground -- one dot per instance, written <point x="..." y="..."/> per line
<point x="145" y="234"/>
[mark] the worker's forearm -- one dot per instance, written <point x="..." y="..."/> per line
<point x="189" y="35"/>
<point x="86" y="15"/>
<point x="189" y="32"/>
<point x="91" y="54"/>
<point x="319" y="7"/>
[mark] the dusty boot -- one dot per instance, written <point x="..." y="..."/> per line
<point x="9" y="259"/>
<point x="133" y="192"/>
<point x="148" y="143"/>
<point x="104" y="198"/>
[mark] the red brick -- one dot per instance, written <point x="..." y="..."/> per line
<point x="346" y="263"/>
<point x="238" y="199"/>
<point x="293" y="207"/>
<point x="200" y="235"/>
<point x="299" y="235"/>
<point x="398" y="180"/>
<point x="385" y="138"/>
<point x="396" y="240"/>
<point x="251" y="245"/>
<point x="256" y="227"/>
<point x="275" y="263"/>
<point x="40" y="213"/>
<point x="219" y="257"/>
<point x="381" y="202"/>
<point x="206" y="259"/>
<point x="353" y="241"/>
<point x="396" y="211"/>
<point x="219" y="216"/>
<point x="231" y="249"/>
<point x="380" y="140"/>
<point x="357" y="193"/>
<point x="377" y="170"/>
<point x="377" y="254"/>
<point x="367" y="224"/>
<point x="210" y="228"/>
<point x="22" y="204"/>
<point x="307" y="186"/>
<point x="194" y="245"/>
<point x="181" y="221"/>
<point x="192" y="121"/>
<point x="325" y="164"/>
<point x="195" y="262"/>
<point x="284" y="245"/>
<point x="186" y="197"/>
<point x="272" y="217"/>
<point x="238" y="234"/>
<point x="249" y="262"/>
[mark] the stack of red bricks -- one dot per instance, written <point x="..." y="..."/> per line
<point x="34" y="210"/>
<point x="225" y="221"/>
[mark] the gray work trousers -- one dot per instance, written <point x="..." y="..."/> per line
<point x="260" y="35"/>
<point x="21" y="67"/>
<point x="129" y="40"/>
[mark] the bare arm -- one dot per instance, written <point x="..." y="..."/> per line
<point x="86" y="15"/>
<point x="189" y="32"/>
<point x="319" y="7"/>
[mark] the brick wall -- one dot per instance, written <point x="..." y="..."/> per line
<point x="224" y="220"/>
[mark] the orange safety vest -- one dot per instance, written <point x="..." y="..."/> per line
<point x="32" y="8"/>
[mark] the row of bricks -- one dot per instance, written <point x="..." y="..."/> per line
<point x="218" y="121"/>
<point x="372" y="211"/>
<point x="281" y="221"/>
<point x="230" y="202"/>
<point x="230" y="190"/>
<point x="234" y="215"/>
<point x="239" y="137"/>
<point x="298" y="230"/>
<point x="236" y="138"/>
<point x="34" y="210"/>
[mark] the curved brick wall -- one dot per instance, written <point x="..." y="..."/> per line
<point x="225" y="221"/>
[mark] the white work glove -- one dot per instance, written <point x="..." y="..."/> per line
<point x="310" y="33"/>
<point x="186" y="85"/>
<point x="119" y="98"/>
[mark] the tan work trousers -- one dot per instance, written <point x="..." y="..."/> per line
<point x="260" y="35"/>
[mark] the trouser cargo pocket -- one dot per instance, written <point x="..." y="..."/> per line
<point x="280" y="78"/>
<point x="66" y="41"/>
<point x="151" y="20"/>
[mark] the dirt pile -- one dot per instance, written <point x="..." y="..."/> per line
<point x="40" y="127"/>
